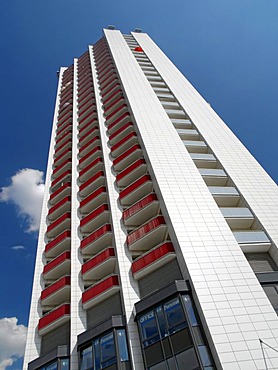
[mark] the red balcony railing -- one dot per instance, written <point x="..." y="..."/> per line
<point x="60" y="167"/>
<point x="127" y="157"/>
<point x="100" y="291"/>
<point x="98" y="240"/>
<point x="152" y="260"/>
<point x="85" y="137"/>
<point x="124" y="144"/>
<point x="147" y="236"/>
<point x="58" y="245"/>
<point x="143" y="182"/>
<point x="62" y="260"/>
<point x="54" y="318"/>
<point x="59" y="193"/>
<point x="117" y="135"/>
<point x="144" y="203"/>
<point x="55" y="288"/>
<point x="92" y="182"/>
<point x="64" y="220"/>
<point x="132" y="172"/>
<point x="100" y="191"/>
<point x="90" y="166"/>
<point x="90" y="144"/>
<point x="90" y="156"/>
<point x="100" y="265"/>
<point x="94" y="219"/>
<point x="60" y="178"/>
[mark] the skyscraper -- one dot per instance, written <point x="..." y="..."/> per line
<point x="158" y="240"/>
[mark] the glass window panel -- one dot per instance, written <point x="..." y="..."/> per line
<point x="174" y="315"/>
<point x="53" y="366"/>
<point x="205" y="357"/>
<point x="149" y="328"/>
<point x="160" y="366"/>
<point x="161" y="322"/>
<point x="122" y="345"/>
<point x="87" y="358"/>
<point x="190" y="310"/>
<point x="65" y="364"/>
<point x="107" y="349"/>
<point x="96" y="355"/>
<point x="187" y="360"/>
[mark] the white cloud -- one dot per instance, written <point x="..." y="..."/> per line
<point x="17" y="247"/>
<point x="26" y="192"/>
<point x="12" y="341"/>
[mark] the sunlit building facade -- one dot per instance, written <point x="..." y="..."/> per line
<point x="158" y="240"/>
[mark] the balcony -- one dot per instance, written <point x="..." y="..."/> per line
<point x="118" y="123"/>
<point x="252" y="241"/>
<point x="56" y="293"/>
<point x="93" y="167"/>
<point x="63" y="130"/>
<point x="91" y="115"/>
<point x="131" y="173"/>
<point x="136" y="191"/>
<point x="108" y="78"/>
<point x="100" y="291"/>
<point x="112" y="98"/>
<point x="89" y="157"/>
<point x="85" y="104"/>
<point x="110" y="108"/>
<point x="89" y="135"/>
<point x="153" y="260"/>
<point x="99" y="266"/>
<point x="109" y="92"/>
<point x="225" y="196"/>
<point x="92" y="184"/>
<point x="65" y="119"/>
<point x="86" y="109"/>
<point x="62" y="157"/>
<point x="170" y="104"/>
<point x="58" y="267"/>
<point x="118" y="112"/>
<point x="109" y="86"/>
<point x="95" y="219"/>
<point x="204" y="160"/>
<point x="181" y="123"/>
<point x="59" y="208"/>
<point x="62" y="178"/>
<point x="127" y="158"/>
<point x="61" y="126"/>
<point x="63" y="137"/>
<point x="85" y="149"/>
<point x="85" y="99"/>
<point x="64" y="166"/>
<point x="87" y="114"/>
<point x="127" y="142"/>
<point x="188" y="134"/>
<point x="147" y="236"/>
<point x="142" y="211"/>
<point x="121" y="133"/>
<point x="93" y="200"/>
<point x="97" y="241"/>
<point x="238" y="217"/>
<point x="60" y="193"/>
<point x="53" y="319"/>
<point x="58" y="245"/>
<point x="213" y="176"/>
<point x="66" y="145"/>
<point x="194" y="146"/>
<point x="58" y="226"/>
<point x="91" y="123"/>
<point x="86" y="91"/>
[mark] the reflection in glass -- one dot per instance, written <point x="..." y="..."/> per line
<point x="174" y="315"/>
<point x="149" y="328"/>
<point x="65" y="364"/>
<point x="107" y="350"/>
<point x="122" y="345"/>
<point x="53" y="366"/>
<point x="86" y="358"/>
<point x="190" y="310"/>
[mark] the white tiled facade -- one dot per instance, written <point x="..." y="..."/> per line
<point x="148" y="116"/>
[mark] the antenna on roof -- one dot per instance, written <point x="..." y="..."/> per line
<point x="111" y="27"/>
<point x="139" y="30"/>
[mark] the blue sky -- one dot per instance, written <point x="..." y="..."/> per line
<point x="227" y="49"/>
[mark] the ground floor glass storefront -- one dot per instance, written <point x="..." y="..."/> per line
<point x="172" y="338"/>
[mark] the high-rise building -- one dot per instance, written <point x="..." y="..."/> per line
<point x="159" y="231"/>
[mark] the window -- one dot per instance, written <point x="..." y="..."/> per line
<point x="107" y="350"/>
<point x="87" y="358"/>
<point x="122" y="345"/>
<point x="174" y="315"/>
<point x="149" y="328"/>
<point x="190" y="310"/>
<point x="53" y="366"/>
<point x="65" y="364"/>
